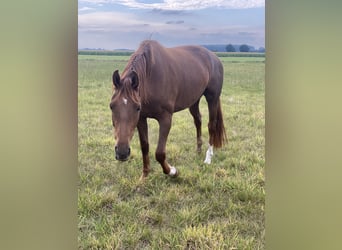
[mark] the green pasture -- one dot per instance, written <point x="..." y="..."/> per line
<point x="217" y="206"/>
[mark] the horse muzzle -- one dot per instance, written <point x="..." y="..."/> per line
<point x="122" y="153"/>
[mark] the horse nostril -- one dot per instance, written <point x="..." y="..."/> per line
<point x="122" y="153"/>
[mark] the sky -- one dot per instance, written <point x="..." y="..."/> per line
<point x="124" y="24"/>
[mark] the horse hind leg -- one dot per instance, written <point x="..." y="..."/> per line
<point x="217" y="134"/>
<point x="211" y="128"/>
<point x="194" y="110"/>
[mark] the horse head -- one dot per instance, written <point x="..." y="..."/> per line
<point x="125" y="105"/>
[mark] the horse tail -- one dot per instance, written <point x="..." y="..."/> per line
<point x="217" y="129"/>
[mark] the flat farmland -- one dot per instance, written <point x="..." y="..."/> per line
<point x="217" y="206"/>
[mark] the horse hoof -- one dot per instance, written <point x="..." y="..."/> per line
<point x="207" y="161"/>
<point x="173" y="172"/>
<point x="143" y="177"/>
<point x="176" y="175"/>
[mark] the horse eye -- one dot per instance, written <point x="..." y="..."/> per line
<point x="138" y="108"/>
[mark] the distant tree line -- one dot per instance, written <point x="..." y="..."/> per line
<point x="242" y="48"/>
<point x="105" y="52"/>
<point x="233" y="48"/>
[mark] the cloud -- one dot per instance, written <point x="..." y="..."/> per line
<point x="123" y="26"/>
<point x="175" y="22"/>
<point x="105" y="20"/>
<point x="184" y="5"/>
<point x="117" y="21"/>
<point x="96" y="1"/>
<point x="85" y="9"/>
<point x="168" y="12"/>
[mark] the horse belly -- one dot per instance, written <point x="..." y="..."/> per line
<point x="188" y="96"/>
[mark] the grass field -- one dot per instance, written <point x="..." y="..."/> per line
<point x="217" y="206"/>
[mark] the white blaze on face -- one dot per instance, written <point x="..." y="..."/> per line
<point x="124" y="100"/>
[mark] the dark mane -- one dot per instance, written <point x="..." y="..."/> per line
<point x="141" y="62"/>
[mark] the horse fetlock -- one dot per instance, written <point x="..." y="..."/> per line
<point x="160" y="157"/>
<point x="199" y="145"/>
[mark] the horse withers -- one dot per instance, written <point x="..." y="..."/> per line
<point x="157" y="82"/>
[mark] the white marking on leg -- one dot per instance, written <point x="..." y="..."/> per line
<point x="173" y="171"/>
<point x="124" y="100"/>
<point x="209" y="154"/>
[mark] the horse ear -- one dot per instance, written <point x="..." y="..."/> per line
<point x="135" y="80"/>
<point x="116" y="79"/>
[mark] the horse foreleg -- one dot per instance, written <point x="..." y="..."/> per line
<point x="143" y="137"/>
<point x="164" y="129"/>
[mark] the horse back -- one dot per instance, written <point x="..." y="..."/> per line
<point x="178" y="76"/>
<point x="183" y="73"/>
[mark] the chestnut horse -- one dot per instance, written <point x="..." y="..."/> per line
<point x="157" y="82"/>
